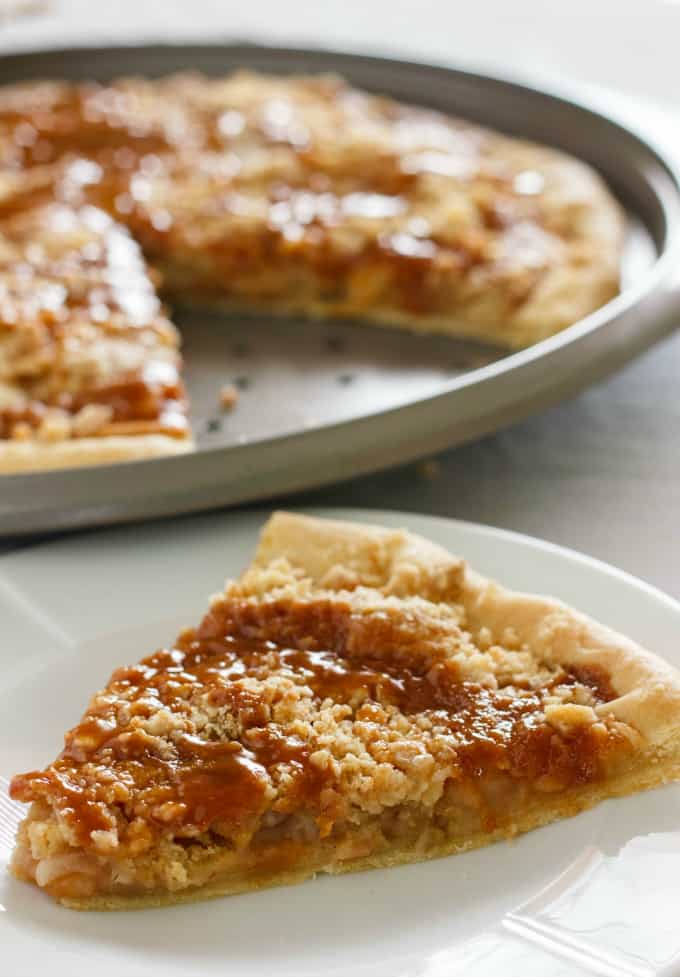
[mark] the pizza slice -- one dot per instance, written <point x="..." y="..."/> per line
<point x="358" y="699"/>
<point x="89" y="363"/>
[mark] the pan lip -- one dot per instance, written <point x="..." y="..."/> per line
<point x="663" y="185"/>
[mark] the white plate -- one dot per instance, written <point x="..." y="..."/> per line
<point x="596" y="894"/>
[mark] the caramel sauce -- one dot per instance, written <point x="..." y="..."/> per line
<point x="219" y="781"/>
<point x="31" y="415"/>
<point x="179" y="129"/>
<point x="596" y="678"/>
<point x="136" y="400"/>
<point x="191" y="778"/>
<point x="132" y="397"/>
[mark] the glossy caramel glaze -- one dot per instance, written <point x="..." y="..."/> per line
<point x="286" y="708"/>
<point x="307" y="170"/>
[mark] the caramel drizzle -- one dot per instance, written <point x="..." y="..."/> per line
<point x="200" y="781"/>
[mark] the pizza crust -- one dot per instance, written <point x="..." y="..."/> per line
<point x="29" y="456"/>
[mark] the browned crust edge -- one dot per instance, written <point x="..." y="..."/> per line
<point x="31" y="456"/>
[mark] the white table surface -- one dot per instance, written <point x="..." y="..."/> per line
<point x="600" y="473"/>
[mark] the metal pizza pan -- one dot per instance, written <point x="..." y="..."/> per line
<point x="321" y="402"/>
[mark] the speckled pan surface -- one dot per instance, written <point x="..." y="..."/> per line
<point x="323" y="402"/>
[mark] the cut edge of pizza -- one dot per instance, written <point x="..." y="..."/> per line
<point x="90" y="368"/>
<point x="425" y="222"/>
<point x="358" y="699"/>
<point x="26" y="456"/>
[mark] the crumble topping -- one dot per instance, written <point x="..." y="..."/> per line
<point x="327" y="707"/>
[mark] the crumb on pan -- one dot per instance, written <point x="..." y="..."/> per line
<point x="430" y="469"/>
<point x="228" y="397"/>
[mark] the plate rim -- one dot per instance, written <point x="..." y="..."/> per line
<point x="367" y="515"/>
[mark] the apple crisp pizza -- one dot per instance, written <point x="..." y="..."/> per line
<point x="358" y="699"/>
<point x="289" y="195"/>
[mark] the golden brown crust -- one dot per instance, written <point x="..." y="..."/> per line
<point x="338" y="555"/>
<point x="648" y="687"/>
<point x="31" y="456"/>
